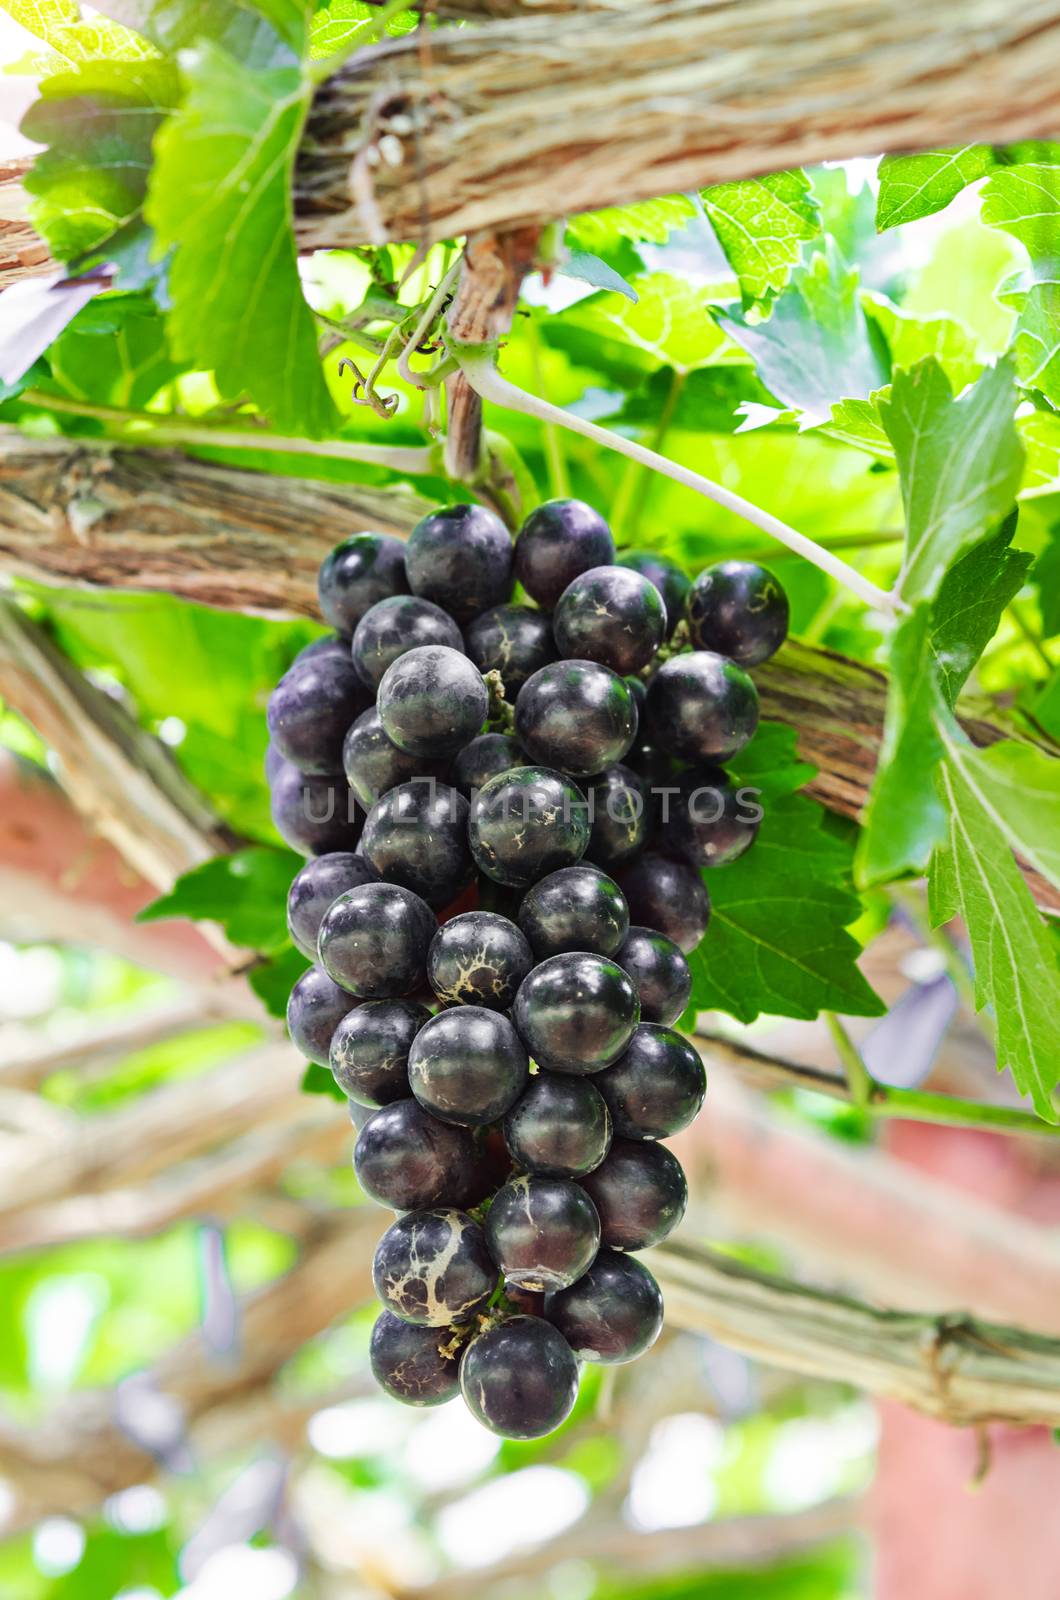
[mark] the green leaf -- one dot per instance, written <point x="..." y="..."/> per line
<point x="242" y="29"/>
<point x="246" y="892"/>
<point x="968" y="607"/>
<point x="817" y="346"/>
<point x="337" y="27"/>
<point x="904" y="816"/>
<point x="960" y="463"/>
<point x="761" y="224"/>
<point x="114" y="353"/>
<point x="220" y="194"/>
<point x="318" y="1080"/>
<point x="1046" y="577"/>
<point x="1017" y="786"/>
<point x="919" y="185"/>
<point x="1036" y="345"/>
<point x="73" y="40"/>
<point x="272" y="980"/>
<point x="910" y="337"/>
<point x="648" y="221"/>
<point x="669" y="326"/>
<point x="708" y="400"/>
<point x="974" y="876"/>
<point x="1025" y="201"/>
<point x="777" y="940"/>
<point x="588" y="268"/>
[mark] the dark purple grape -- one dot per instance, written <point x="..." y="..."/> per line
<point x="577" y="908"/>
<point x="576" y="1012"/>
<point x="310" y="710"/>
<point x="559" y="540"/>
<point x="638" y="689"/>
<point x="512" y="640"/>
<point x="660" y="974"/>
<point x="393" y="627"/>
<point x="560" y="1127"/>
<point x="526" y="823"/>
<point x="711" y="823"/>
<point x="406" y="1159"/>
<point x="620" y="814"/>
<point x="667" y="897"/>
<point x="486" y="757"/>
<point x="610" y="615"/>
<point x="320" y="882"/>
<point x="416" y="835"/>
<point x="656" y="1088"/>
<point x="478" y="959"/>
<point x="576" y="716"/>
<point x="274" y="764"/>
<point x="434" y="1268"/>
<point x="363" y="569"/>
<point x="468" y="1065"/>
<point x="640" y="1192"/>
<point x="374" y="765"/>
<point x="408" y="1362"/>
<point x="461" y="558"/>
<point x="374" y="941"/>
<point x="370" y="1050"/>
<point x="701" y="707"/>
<point x="542" y="1232"/>
<point x="332" y="644"/>
<point x="612" y="1314"/>
<point x="519" y="1378"/>
<point x="315" y="816"/>
<point x="740" y="610"/>
<point x="316" y="1007"/>
<point x="431" y="701"/>
<point x="671" y="582"/>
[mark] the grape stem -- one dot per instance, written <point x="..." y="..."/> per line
<point x="477" y="366"/>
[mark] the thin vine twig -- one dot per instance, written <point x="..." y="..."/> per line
<point x="478" y="368"/>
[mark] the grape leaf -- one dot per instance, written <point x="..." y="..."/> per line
<point x="588" y="268"/>
<point x="919" y="185"/>
<point x="273" y="979"/>
<point x="817" y="346"/>
<point x="245" y="892"/>
<point x="911" y="337"/>
<point x="114" y="352"/>
<point x="650" y="221"/>
<point x="669" y="326"/>
<point x="220" y="194"/>
<point x="239" y="28"/>
<point x="1046" y="576"/>
<point x="318" y="1080"/>
<point x="1036" y="345"/>
<point x="1018" y="787"/>
<point x="708" y="400"/>
<point x="1024" y="200"/>
<point x="72" y="39"/>
<point x="973" y="875"/>
<point x="777" y="940"/>
<point x="761" y="224"/>
<point x="960" y="463"/>
<point x="932" y="654"/>
<point x="335" y="28"/>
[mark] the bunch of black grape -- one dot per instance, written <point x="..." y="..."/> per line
<point x="507" y="807"/>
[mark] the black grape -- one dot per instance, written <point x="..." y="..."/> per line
<point x="407" y="1362"/>
<point x="434" y="1268"/>
<point x="313" y="889"/>
<point x="576" y="716"/>
<point x="310" y="709"/>
<point x="374" y="765"/>
<point x="612" y="1314"/>
<point x="740" y="610"/>
<point x="486" y="757"/>
<point x="660" y="974"/>
<point x="374" y="941"/>
<point x="640" y="1192"/>
<point x="478" y="959"/>
<point x="559" y="540"/>
<point x="461" y="558"/>
<point x="332" y="644"/>
<point x="526" y="823"/>
<point x="668" y="578"/>
<point x="621" y="816"/>
<point x="431" y="701"/>
<point x="315" y="816"/>
<point x="701" y="707"/>
<point x="576" y="1012"/>
<point x="316" y="1007"/>
<point x="610" y="615"/>
<point x="416" y="836"/>
<point x="577" y="908"/>
<point x="666" y="896"/>
<point x="395" y="626"/>
<point x="542" y="1232"/>
<point x="560" y="1127"/>
<point x="370" y="1050"/>
<point x="468" y="1065"/>
<point x="406" y="1159"/>
<point x="360" y="571"/>
<point x="519" y="1378"/>
<point x="511" y="640"/>
<point x="656" y="1088"/>
<point x="710" y="824"/>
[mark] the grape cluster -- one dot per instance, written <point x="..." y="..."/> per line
<point x="498" y="801"/>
